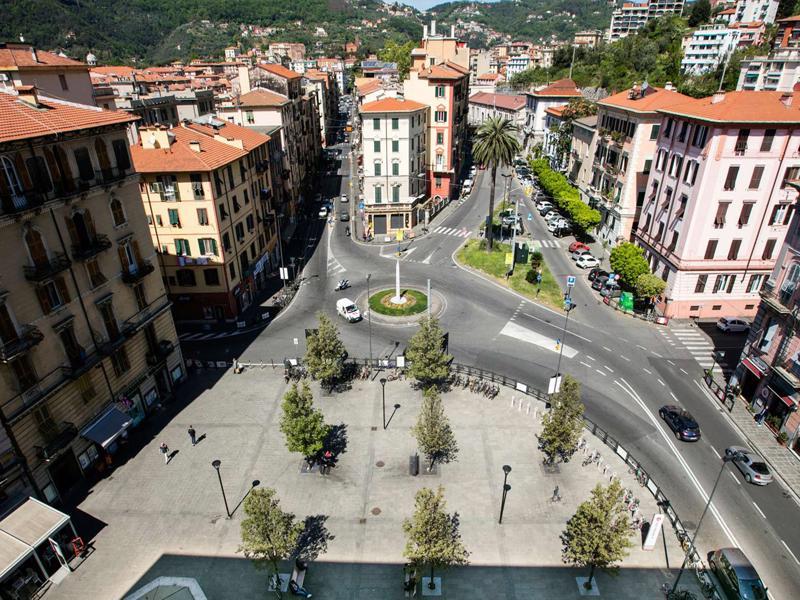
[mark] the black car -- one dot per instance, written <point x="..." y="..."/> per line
<point x="562" y="231"/>
<point x="681" y="422"/>
<point x="343" y="216"/>
<point x="597" y="272"/>
<point x="599" y="282"/>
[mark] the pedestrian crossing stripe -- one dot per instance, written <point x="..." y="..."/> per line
<point x="451" y="231"/>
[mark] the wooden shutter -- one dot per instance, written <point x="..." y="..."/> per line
<point x="102" y="154"/>
<point x="136" y="254"/>
<point x="22" y="171"/>
<point x="63" y="291"/>
<point x="44" y="299"/>
<point x="123" y="258"/>
<point x="72" y="230"/>
<point x="8" y="333"/>
<point x="89" y="222"/>
<point x="36" y="247"/>
<point x="52" y="166"/>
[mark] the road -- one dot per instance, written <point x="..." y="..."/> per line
<point x="627" y="368"/>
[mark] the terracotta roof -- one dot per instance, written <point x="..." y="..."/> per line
<point x="392" y="105"/>
<point x="790" y="19"/>
<point x="180" y="158"/>
<point x="373" y="85"/>
<point x="556" y="111"/>
<point x="16" y="55"/>
<point x="488" y="76"/>
<point x="562" y="87"/>
<point x="442" y="71"/>
<point x="279" y="70"/>
<point x="116" y="71"/>
<point x="499" y="100"/>
<point x="727" y="11"/>
<point x="315" y="74"/>
<point x="19" y="120"/>
<point x="261" y="97"/>
<point x="740" y="107"/>
<point x="653" y="99"/>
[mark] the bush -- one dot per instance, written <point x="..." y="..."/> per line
<point x="566" y="196"/>
<point x="530" y="276"/>
<point x="536" y="260"/>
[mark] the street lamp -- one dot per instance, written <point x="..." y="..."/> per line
<point x="369" y="318"/>
<point x="383" y="396"/>
<point x="725" y="459"/>
<point x="216" y="464"/>
<point x="506" y="488"/>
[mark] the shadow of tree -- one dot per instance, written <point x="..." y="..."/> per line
<point x="313" y="540"/>
<point x="336" y="441"/>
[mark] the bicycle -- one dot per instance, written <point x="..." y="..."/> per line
<point x="556" y="497"/>
<point x="590" y="459"/>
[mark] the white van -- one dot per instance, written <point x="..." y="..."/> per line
<point x="348" y="310"/>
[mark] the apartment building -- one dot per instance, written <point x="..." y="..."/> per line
<point x="717" y="204"/>
<point x="394" y="182"/>
<point x="321" y="84"/>
<point x="749" y="11"/>
<point x="588" y="39"/>
<point x="206" y="190"/>
<point x="579" y="162"/>
<point x="517" y="64"/>
<point x="484" y="106"/>
<point x="780" y="70"/>
<point x="707" y="48"/>
<point x="538" y="101"/>
<point x="632" y="16"/>
<point x="88" y="347"/>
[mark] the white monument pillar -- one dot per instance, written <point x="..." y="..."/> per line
<point x="397" y="298"/>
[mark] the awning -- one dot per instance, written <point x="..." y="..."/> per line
<point x="107" y="427"/>
<point x="788" y="401"/>
<point x="752" y="367"/>
<point x="12" y="553"/>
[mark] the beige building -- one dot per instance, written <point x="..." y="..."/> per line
<point x="88" y="347"/>
<point x="394" y="183"/>
<point x="207" y="193"/>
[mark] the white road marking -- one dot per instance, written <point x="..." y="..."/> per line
<point x="557" y="327"/>
<point x="427" y="259"/>
<point x="527" y="335"/>
<point x="590" y="357"/>
<point x="641" y="347"/>
<point x="714" y="450"/>
<point x="657" y="354"/>
<point x="648" y="371"/>
<point x="761" y="512"/>
<point x="674" y="397"/>
<point x="624" y="358"/>
<point x="662" y="383"/>
<point x="685" y="372"/>
<point x="586" y="364"/>
<point x="790" y="552"/>
<point x="607" y="349"/>
<point x="736" y="479"/>
<point x="601" y="373"/>
<point x="409" y="251"/>
<point x="670" y="362"/>
<point x="610" y="370"/>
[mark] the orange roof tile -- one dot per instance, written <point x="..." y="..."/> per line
<point x="19" y="120"/>
<point x="556" y="111"/>
<point x="488" y="76"/>
<point x="373" y="85"/>
<point x="499" y="100"/>
<point x="740" y="107"/>
<point x="653" y="99"/>
<point x="109" y="70"/>
<point x="392" y="105"/>
<point x="279" y="70"/>
<point x="260" y="97"/>
<point x="442" y="71"/>
<point x="17" y="55"/>
<point x="789" y="19"/>
<point x="563" y="87"/>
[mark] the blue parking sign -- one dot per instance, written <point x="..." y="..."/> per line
<point x="570" y="280"/>
<point x="530" y="217"/>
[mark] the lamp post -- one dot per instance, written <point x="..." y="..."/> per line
<point x="216" y="464"/>
<point x="383" y="396"/>
<point x="506" y="488"/>
<point x="725" y="459"/>
<point x="369" y="319"/>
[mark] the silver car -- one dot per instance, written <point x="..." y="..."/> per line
<point x="752" y="466"/>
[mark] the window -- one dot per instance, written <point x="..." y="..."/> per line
<point x="668" y="128"/>
<point x="396" y="193"/>
<point x="395" y="123"/>
<point x="690" y="173"/>
<point x="229" y="170"/>
<point x="755" y="283"/>
<point x="654" y="132"/>
<point x="117" y="213"/>
<point x="733" y="252"/>
<point x="202" y="216"/>
<point x="699" y="136"/>
<point x="439" y="91"/>
<point x="395" y="146"/>
<point x="376" y="124"/>
<point x="53" y="294"/>
<point x="239" y="230"/>
<point x="208" y="246"/>
<point x="766" y="141"/>
<point x="755" y="178"/>
<point x="439" y="138"/>
<point x="744" y="216"/>
<point x="250" y="221"/>
<point x="86" y="387"/>
<point x="232" y="271"/>
<point x="661" y="159"/>
<point x="185" y="277"/>
<point x="120" y="362"/>
<point x="109" y="319"/>
<point x="682" y="206"/>
<point x="376" y="145"/>
<point x="700" y="286"/>
<point x="711" y="249"/>
<point x="182" y="247"/>
<point x="740" y="147"/>
<point x="675" y="165"/>
<point x="722" y="211"/>
<point x="250" y="117"/>
<point x="211" y="276"/>
<point x="140" y="296"/>
<point x="395" y="168"/>
<point x="197" y="185"/>
<point x="647" y="165"/>
<point x="11" y="176"/>
<point x="25" y="374"/>
<point x="223" y="214"/>
<point x="377" y="167"/>
<point x="684" y="129"/>
<point x="769" y="248"/>
<point x="120" y="148"/>
<point x="440" y="116"/>
<point x="779" y="212"/>
<point x="62" y="80"/>
<point x="95" y="276"/>
<point x="378" y="191"/>
<point x="790" y="174"/>
<point x="730" y="179"/>
<point x="174" y="217"/>
<point x="769" y="333"/>
<point x="235" y="202"/>
<point x="438" y="182"/>
<point x="85" y="168"/>
<point x="218" y="183"/>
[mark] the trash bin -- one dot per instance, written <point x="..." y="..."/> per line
<point x="413" y="465"/>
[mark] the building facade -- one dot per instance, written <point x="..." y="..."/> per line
<point x="632" y="16"/>
<point x="708" y="47"/>
<point x="557" y="93"/>
<point x="780" y="70"/>
<point x="89" y="346"/>
<point x="484" y="106"/>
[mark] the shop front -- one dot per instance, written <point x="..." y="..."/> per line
<point x="749" y="375"/>
<point x="776" y="402"/>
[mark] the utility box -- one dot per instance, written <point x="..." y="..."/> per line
<point x="522" y="254"/>
<point x="413" y="465"/>
<point x="626" y="301"/>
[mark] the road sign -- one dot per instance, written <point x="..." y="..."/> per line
<point x="554" y="385"/>
<point x="284" y="273"/>
<point x="509" y="258"/>
<point x="530" y="217"/>
<point x="538" y="277"/>
<point x="570" y="281"/>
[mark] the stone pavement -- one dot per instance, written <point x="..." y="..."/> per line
<point x="158" y="519"/>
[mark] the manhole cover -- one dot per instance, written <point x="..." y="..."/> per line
<point x="380" y="463"/>
<point x="362" y="521"/>
<point x="376" y="511"/>
<point x="373" y="428"/>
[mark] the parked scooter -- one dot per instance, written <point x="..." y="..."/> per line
<point x="342" y="285"/>
<point x="347" y="231"/>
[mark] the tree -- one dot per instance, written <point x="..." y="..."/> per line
<point x="325" y="352"/>
<point x="649" y="286"/>
<point x="432" y="536"/>
<point x="302" y="424"/>
<point x="701" y="12"/>
<point x="575" y="109"/>
<point x="563" y="423"/>
<point x="398" y="53"/>
<point x="268" y="534"/>
<point x="425" y="351"/>
<point x="433" y="432"/>
<point x="628" y="261"/>
<point x="598" y="534"/>
<point x="494" y="146"/>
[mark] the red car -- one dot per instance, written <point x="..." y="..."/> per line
<point x="575" y="246"/>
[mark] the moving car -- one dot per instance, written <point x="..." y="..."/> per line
<point x="343" y="198"/>
<point x="681" y="422"/>
<point x="574" y="246"/>
<point x="751" y="465"/>
<point x="586" y="261"/>
<point x="736" y="574"/>
<point x="343" y="216"/>
<point x="732" y="325"/>
<point x="347" y="309"/>
<point x="577" y="254"/>
<point x="595" y="273"/>
<point x="323" y="212"/>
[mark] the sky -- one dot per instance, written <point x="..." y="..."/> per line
<point x="426" y="4"/>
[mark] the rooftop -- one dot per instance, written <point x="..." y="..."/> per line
<point x="499" y="100"/>
<point x="392" y="105"/>
<point x="260" y="97"/>
<point x="563" y="87"/>
<point x="643" y="99"/>
<point x="740" y="107"/>
<point x="279" y="70"/>
<point x="14" y="56"/>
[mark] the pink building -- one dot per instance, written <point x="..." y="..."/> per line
<point x="717" y="207"/>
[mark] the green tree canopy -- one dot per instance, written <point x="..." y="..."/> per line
<point x="325" y="352"/>
<point x="432" y="535"/>
<point x="434" y="435"/>
<point x="649" y="285"/>
<point x="701" y="12"/>
<point x="563" y="423"/>
<point x="598" y="534"/>
<point x="429" y="362"/>
<point x="566" y="196"/>
<point x="629" y="262"/>
<point x="302" y="424"/>
<point x="398" y="53"/>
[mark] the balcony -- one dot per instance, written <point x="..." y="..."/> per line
<point x="133" y="324"/>
<point x="58" y="437"/>
<point x="56" y="264"/>
<point x="27" y="338"/>
<point x="32" y="395"/>
<point x="136" y="274"/>
<point x="14" y="204"/>
<point x="780" y="301"/>
<point x="160" y="354"/>
<point x="91" y="248"/>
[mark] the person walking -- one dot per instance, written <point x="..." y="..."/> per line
<point x="192" y="435"/>
<point x="165" y="451"/>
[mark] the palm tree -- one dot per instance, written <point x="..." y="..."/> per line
<point x="495" y="145"/>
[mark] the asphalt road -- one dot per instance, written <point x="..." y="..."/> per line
<point x="626" y="367"/>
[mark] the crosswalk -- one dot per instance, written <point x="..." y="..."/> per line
<point x="334" y="266"/>
<point x="454" y="231"/>
<point x="697" y="345"/>
<point x="197" y="337"/>
<point x="548" y="243"/>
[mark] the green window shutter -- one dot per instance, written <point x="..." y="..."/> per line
<point x="376" y="145"/>
<point x="201" y="243"/>
<point x="395" y="146"/>
<point x="214" y="247"/>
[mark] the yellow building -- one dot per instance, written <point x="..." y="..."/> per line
<point x="87" y="342"/>
<point x="206" y="190"/>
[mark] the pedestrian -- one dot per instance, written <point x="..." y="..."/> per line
<point x="165" y="451"/>
<point x="192" y="434"/>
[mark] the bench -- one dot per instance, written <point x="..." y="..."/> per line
<point x="298" y="574"/>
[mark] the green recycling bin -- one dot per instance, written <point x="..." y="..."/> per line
<point x="521" y="257"/>
<point x="626" y="301"/>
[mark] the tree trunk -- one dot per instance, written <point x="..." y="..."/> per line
<point x="490" y="224"/>
<point x="431" y="583"/>
<point x="588" y="584"/>
<point x="278" y="593"/>
<point x="430" y="467"/>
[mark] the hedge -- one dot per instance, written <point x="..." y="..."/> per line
<point x="566" y="196"/>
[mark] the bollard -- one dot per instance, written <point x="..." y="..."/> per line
<point x="519" y="406"/>
<point x="535" y="413"/>
<point x="512" y="401"/>
<point x="528" y="410"/>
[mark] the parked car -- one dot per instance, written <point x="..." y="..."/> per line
<point x="574" y="246"/>
<point x="736" y="574"/>
<point x="555" y="224"/>
<point x="553" y="214"/>
<point x="562" y="231"/>
<point x="595" y="273"/>
<point x="598" y="283"/>
<point x="343" y="198"/>
<point x="348" y="310"/>
<point x="681" y="422"/>
<point x="751" y="465"/>
<point x="323" y="212"/>
<point x="546" y="209"/>
<point x="343" y="216"/>
<point x="587" y="261"/>
<point x="732" y="325"/>
<point x="610" y="290"/>
<point x="578" y="253"/>
<point x="542" y="204"/>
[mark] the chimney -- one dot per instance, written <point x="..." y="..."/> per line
<point x="155" y="137"/>
<point x="669" y="86"/>
<point x="194" y="146"/>
<point x="433" y="27"/>
<point x="244" y="79"/>
<point x="717" y="97"/>
<point x="786" y="99"/>
<point x="452" y="31"/>
<point x="33" y="55"/>
<point x="28" y="95"/>
<point x="424" y="32"/>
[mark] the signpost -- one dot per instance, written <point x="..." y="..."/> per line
<point x="570" y="283"/>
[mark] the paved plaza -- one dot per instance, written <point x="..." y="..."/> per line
<point x="169" y="520"/>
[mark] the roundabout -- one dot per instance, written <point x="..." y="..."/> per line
<point x="412" y="302"/>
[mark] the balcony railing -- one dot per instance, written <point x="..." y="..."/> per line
<point x="56" y="264"/>
<point x="159" y="354"/>
<point x="27" y="338"/>
<point x="133" y="324"/>
<point x="780" y="300"/>
<point x="28" y="398"/>
<point x="134" y="275"/>
<point x="59" y="439"/>
<point x="99" y="243"/>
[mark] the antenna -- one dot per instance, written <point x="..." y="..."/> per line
<point x="572" y="62"/>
